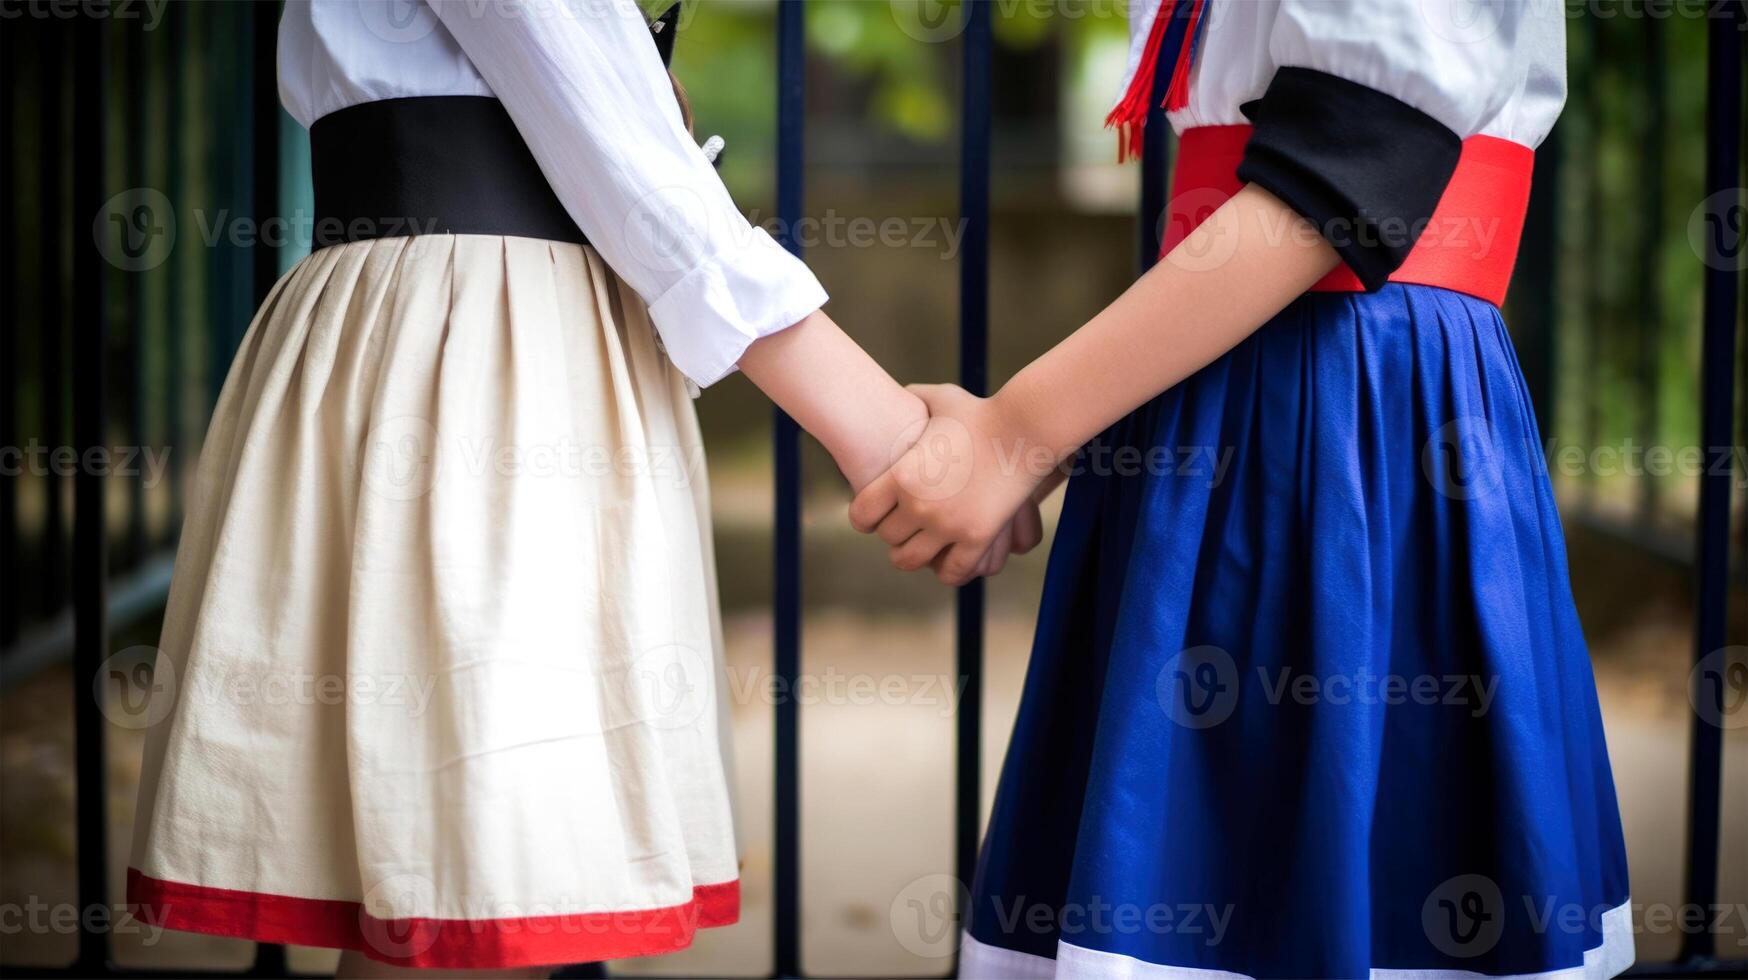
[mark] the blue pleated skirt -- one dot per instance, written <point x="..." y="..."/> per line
<point x="1308" y="695"/>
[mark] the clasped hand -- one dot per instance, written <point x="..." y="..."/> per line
<point x="961" y="498"/>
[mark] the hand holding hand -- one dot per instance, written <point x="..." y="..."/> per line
<point x="951" y="500"/>
<point x="1023" y="532"/>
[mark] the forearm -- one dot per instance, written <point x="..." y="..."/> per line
<point x="1185" y="312"/>
<point x="834" y="390"/>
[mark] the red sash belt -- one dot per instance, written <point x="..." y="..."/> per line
<point x="1469" y="245"/>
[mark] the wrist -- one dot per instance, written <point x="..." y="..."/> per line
<point x="883" y="434"/>
<point x="864" y="419"/>
<point x="1025" y="424"/>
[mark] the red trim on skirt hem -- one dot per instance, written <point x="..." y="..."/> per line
<point x="448" y="943"/>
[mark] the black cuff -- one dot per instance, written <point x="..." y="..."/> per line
<point x="1366" y="169"/>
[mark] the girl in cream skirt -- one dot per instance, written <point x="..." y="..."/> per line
<point x="443" y="623"/>
<point x="442" y="664"/>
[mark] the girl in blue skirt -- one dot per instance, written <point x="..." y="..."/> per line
<point x="1308" y="695"/>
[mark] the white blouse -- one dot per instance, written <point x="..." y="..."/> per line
<point x="1489" y="67"/>
<point x="587" y="90"/>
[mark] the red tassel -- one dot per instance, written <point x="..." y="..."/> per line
<point x="1130" y="115"/>
<point x="1177" y="95"/>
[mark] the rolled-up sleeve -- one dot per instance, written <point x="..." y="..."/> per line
<point x="586" y="88"/>
<point x="1362" y="125"/>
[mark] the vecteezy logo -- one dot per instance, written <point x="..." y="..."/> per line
<point x="1717" y="231"/>
<point x="135" y="230"/>
<point x="1718" y="689"/>
<point x="1198" y="688"/>
<point x="401" y="458"/>
<point x="1204" y="242"/>
<point x="940" y="466"/>
<point x="1461" y="460"/>
<point x="672" y="685"/>
<point x="404" y="21"/>
<point x="937" y="459"/>
<point x="930" y="21"/>
<point x="925" y="915"/>
<point x="1463" y="21"/>
<point x="666" y="229"/>
<point x="397" y="917"/>
<point x="1464" y="916"/>
<point x="136" y="687"/>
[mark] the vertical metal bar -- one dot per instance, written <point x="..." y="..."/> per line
<point x="177" y="319"/>
<point x="1717" y="367"/>
<point x="52" y="228"/>
<point x="974" y="177"/>
<point x="261" y="23"/>
<point x="264" y="84"/>
<point x="214" y="42"/>
<point x="1155" y="161"/>
<point x="90" y="558"/>
<point x="1647" y="372"/>
<point x="239" y="38"/>
<point x="10" y="430"/>
<point x="786" y="544"/>
<point x="1594" y="232"/>
<point x="230" y="283"/>
<point x="1536" y="292"/>
<point x="134" y="330"/>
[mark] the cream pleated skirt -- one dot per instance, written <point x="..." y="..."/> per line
<point x="442" y="645"/>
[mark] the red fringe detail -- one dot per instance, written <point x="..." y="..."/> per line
<point x="1177" y="95"/>
<point x="1130" y="115"/>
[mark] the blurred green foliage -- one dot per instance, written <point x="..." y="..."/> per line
<point x="1628" y="292"/>
<point x="726" y="58"/>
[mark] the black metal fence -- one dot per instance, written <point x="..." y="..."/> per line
<point x="105" y="108"/>
<point x="185" y="94"/>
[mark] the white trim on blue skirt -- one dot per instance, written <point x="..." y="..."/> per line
<point x="978" y="961"/>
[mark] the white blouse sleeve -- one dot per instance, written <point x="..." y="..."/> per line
<point x="586" y="88"/>
<point x="1459" y="61"/>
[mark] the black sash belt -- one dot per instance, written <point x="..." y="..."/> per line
<point x="432" y="165"/>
